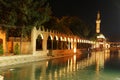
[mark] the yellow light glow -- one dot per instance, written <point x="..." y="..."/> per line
<point x="81" y="41"/>
<point x="41" y="36"/>
<point x="56" y="37"/>
<point x="47" y="64"/>
<point x="65" y="39"/>
<point x="74" y="58"/>
<point x="71" y="40"/>
<point x="75" y="50"/>
<point x="101" y="36"/>
<point x="1" y="77"/>
<point x="74" y="39"/>
<point x="68" y="39"/>
<point x="51" y="37"/>
<point x="78" y="40"/>
<point x="61" y="38"/>
<point x="97" y="45"/>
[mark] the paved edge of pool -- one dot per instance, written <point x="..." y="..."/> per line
<point x="19" y="59"/>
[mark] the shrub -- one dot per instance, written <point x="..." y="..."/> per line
<point x="1" y="49"/>
<point x="16" y="49"/>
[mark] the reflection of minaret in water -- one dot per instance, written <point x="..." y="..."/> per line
<point x="98" y="23"/>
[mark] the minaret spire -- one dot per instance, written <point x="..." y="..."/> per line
<point x="98" y="21"/>
<point x="98" y="15"/>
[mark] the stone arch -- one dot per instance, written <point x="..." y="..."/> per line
<point x="65" y="43"/>
<point x="60" y="43"/>
<point x="41" y="38"/>
<point x="55" y="42"/>
<point x="49" y="42"/>
<point x="39" y="41"/>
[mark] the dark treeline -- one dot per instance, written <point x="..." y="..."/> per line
<point x="71" y="25"/>
<point x="18" y="17"/>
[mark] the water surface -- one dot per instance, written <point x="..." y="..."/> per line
<point x="99" y="65"/>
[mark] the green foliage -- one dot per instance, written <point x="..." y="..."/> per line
<point x="1" y="49"/>
<point x="24" y="14"/>
<point x="16" y="49"/>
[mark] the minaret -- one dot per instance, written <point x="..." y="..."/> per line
<point x="98" y="23"/>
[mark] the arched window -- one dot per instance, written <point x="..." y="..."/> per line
<point x="39" y="43"/>
<point x="65" y="43"/>
<point x="70" y="45"/>
<point x="55" y="43"/>
<point x="59" y="43"/>
<point x="49" y="43"/>
<point x="78" y="45"/>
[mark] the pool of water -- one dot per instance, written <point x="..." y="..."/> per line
<point x="100" y="65"/>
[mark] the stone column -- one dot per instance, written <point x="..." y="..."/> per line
<point x="44" y="43"/>
<point x="3" y="37"/>
<point x="33" y="40"/>
<point x="72" y="43"/>
<point x="4" y="43"/>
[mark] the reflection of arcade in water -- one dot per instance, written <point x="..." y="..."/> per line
<point x="57" y="69"/>
<point x="66" y="66"/>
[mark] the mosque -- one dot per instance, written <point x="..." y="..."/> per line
<point x="100" y="38"/>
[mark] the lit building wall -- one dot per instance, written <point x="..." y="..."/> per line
<point x="3" y="37"/>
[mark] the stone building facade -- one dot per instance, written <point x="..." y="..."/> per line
<point x="44" y="42"/>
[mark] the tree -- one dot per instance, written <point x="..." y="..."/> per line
<point x="78" y="26"/>
<point x="58" y="24"/>
<point x="24" y="14"/>
<point x="71" y="25"/>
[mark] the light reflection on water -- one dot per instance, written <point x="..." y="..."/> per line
<point x="100" y="65"/>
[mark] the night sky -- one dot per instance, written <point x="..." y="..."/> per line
<point x="87" y="11"/>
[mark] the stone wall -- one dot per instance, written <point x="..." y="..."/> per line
<point x="63" y="52"/>
<point x="18" y="59"/>
<point x="25" y="47"/>
<point x="3" y="37"/>
<point x="39" y="40"/>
